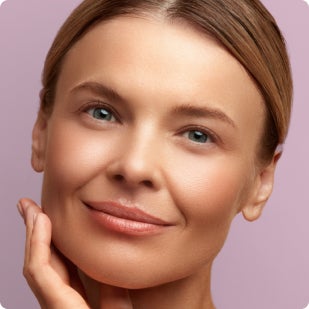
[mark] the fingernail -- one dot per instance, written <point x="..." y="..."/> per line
<point x="20" y="208"/>
<point x="34" y="218"/>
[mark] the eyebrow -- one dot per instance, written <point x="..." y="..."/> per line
<point x="188" y="110"/>
<point x="99" y="89"/>
<point x="203" y="112"/>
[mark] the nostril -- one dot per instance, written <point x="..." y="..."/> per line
<point x="147" y="183"/>
<point x="119" y="177"/>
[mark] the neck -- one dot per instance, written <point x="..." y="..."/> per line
<point x="191" y="292"/>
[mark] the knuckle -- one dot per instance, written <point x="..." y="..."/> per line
<point x="30" y="272"/>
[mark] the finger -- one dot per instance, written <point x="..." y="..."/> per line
<point x="66" y="270"/>
<point x="45" y="282"/>
<point x="37" y="244"/>
<point x="40" y="239"/>
<point x="28" y="210"/>
<point x="75" y="280"/>
<point x="29" y="213"/>
<point x="58" y="263"/>
<point x="37" y="270"/>
<point x="24" y="203"/>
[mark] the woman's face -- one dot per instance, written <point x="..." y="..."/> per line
<point x="149" y="152"/>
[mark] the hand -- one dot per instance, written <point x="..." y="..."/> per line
<point x="53" y="280"/>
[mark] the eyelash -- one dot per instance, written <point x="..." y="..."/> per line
<point x="98" y="104"/>
<point x="211" y="135"/>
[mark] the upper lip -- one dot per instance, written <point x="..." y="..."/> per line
<point x="129" y="212"/>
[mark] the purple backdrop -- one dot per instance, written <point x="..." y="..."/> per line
<point x="264" y="264"/>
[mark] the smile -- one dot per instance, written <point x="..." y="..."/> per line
<point x="126" y="220"/>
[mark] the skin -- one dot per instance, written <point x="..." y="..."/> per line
<point x="162" y="148"/>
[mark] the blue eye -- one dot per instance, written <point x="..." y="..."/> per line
<point x="101" y="113"/>
<point x="198" y="136"/>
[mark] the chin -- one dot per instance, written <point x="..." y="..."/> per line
<point x="130" y="276"/>
<point x="127" y="272"/>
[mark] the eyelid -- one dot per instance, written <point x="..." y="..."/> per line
<point x="214" y="138"/>
<point x="99" y="104"/>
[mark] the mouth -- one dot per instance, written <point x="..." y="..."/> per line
<point x="125" y="219"/>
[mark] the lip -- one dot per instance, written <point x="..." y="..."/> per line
<point x="125" y="219"/>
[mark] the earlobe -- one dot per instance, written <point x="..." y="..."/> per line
<point x="39" y="136"/>
<point x="262" y="190"/>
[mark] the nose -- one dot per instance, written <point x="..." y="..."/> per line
<point x="136" y="163"/>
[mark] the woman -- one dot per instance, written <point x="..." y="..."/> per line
<point x="160" y="121"/>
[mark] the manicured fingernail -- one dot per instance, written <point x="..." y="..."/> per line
<point x="20" y="209"/>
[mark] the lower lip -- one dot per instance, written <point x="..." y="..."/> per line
<point x="125" y="226"/>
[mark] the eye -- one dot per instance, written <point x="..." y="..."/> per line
<point x="198" y="136"/>
<point x="101" y="113"/>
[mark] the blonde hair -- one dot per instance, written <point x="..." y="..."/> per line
<point x="244" y="27"/>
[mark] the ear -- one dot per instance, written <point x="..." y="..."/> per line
<point x="39" y="139"/>
<point x="261" y="191"/>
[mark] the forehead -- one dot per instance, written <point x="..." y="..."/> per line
<point x="151" y="59"/>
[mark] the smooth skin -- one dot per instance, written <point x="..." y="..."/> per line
<point x="151" y="114"/>
<point x="59" y="286"/>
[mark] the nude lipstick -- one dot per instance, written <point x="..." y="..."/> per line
<point x="125" y="219"/>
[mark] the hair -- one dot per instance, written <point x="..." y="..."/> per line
<point x="243" y="27"/>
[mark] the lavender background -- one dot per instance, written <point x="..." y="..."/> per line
<point x="264" y="264"/>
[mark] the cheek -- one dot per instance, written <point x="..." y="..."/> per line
<point x="210" y="184"/>
<point x="208" y="192"/>
<point x="205" y="191"/>
<point x="73" y="157"/>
